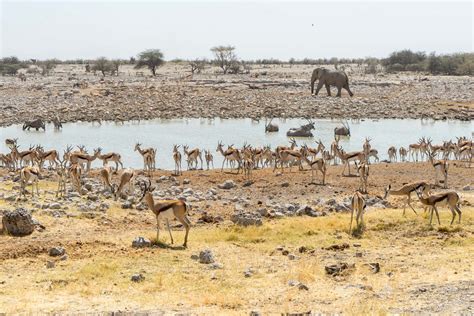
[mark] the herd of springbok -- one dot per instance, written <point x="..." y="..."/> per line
<point x="76" y="164"/>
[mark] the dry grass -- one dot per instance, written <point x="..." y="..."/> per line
<point x="96" y="277"/>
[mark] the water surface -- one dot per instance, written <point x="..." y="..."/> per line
<point x="205" y="133"/>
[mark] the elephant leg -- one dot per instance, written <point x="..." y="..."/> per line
<point x="328" y="89"/>
<point x="339" y="88"/>
<point x="346" y="86"/>
<point x="320" y="85"/>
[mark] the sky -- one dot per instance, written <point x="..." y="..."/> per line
<point x="258" y="29"/>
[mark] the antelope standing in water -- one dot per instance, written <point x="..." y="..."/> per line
<point x="166" y="210"/>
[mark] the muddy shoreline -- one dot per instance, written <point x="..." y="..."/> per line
<point x="277" y="91"/>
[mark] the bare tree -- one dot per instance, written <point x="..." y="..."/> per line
<point x="224" y="57"/>
<point x="47" y="66"/>
<point x="197" y="65"/>
<point x="151" y="58"/>
<point x="115" y="66"/>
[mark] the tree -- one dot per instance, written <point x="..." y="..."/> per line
<point x="151" y="58"/>
<point x="115" y="66"/>
<point x="197" y="65"/>
<point x="102" y="64"/>
<point x="224" y="57"/>
<point x="47" y="66"/>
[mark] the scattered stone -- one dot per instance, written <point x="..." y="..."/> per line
<point x="93" y="197"/>
<point x="285" y="252"/>
<point x="186" y="181"/>
<point x="55" y="206"/>
<point x="57" y="251"/>
<point x="50" y="264"/>
<point x="246" y="219"/>
<point x="141" y="242"/>
<point x="358" y="254"/>
<point x="285" y="184"/>
<point x="138" y="277"/>
<point x="302" y="286"/>
<point x="292" y="256"/>
<point x="126" y="205"/>
<point x="216" y="266"/>
<point x="19" y="222"/>
<point x="64" y="257"/>
<point x="337" y="247"/>
<point x="467" y="188"/>
<point x="248" y="273"/>
<point x="375" y="267"/>
<point x="195" y="257"/>
<point x="227" y="185"/>
<point x="302" y="249"/>
<point x="206" y="256"/>
<point x="337" y="269"/>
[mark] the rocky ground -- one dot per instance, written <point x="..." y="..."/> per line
<point x="268" y="91"/>
<point x="275" y="244"/>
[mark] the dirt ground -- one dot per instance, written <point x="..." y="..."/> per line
<point x="423" y="268"/>
<point x="267" y="91"/>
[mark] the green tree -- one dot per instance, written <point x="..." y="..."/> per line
<point x="102" y="64"/>
<point x="151" y="58"/>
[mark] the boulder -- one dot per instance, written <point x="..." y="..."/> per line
<point x="57" y="251"/>
<point x="206" y="256"/>
<point x="227" y="185"/>
<point x="18" y="223"/>
<point x="141" y="242"/>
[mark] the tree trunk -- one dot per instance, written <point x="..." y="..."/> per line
<point x="153" y="71"/>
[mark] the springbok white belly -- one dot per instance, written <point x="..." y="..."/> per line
<point x="168" y="214"/>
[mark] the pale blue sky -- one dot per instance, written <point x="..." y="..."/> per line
<point x="262" y="29"/>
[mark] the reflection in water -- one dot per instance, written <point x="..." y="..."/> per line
<point x="205" y="133"/>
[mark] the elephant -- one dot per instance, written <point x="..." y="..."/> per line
<point x="330" y="78"/>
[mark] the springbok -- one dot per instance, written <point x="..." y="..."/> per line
<point x="358" y="206"/>
<point x="193" y="156"/>
<point x="407" y="190"/>
<point x="110" y="157"/>
<point x="451" y="198"/>
<point x="166" y="209"/>
<point x="29" y="175"/>
<point x="177" y="160"/>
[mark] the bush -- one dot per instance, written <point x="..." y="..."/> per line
<point x="10" y="65"/>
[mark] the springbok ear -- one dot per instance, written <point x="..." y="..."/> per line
<point x="151" y="189"/>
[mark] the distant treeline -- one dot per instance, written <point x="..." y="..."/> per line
<point x="399" y="61"/>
